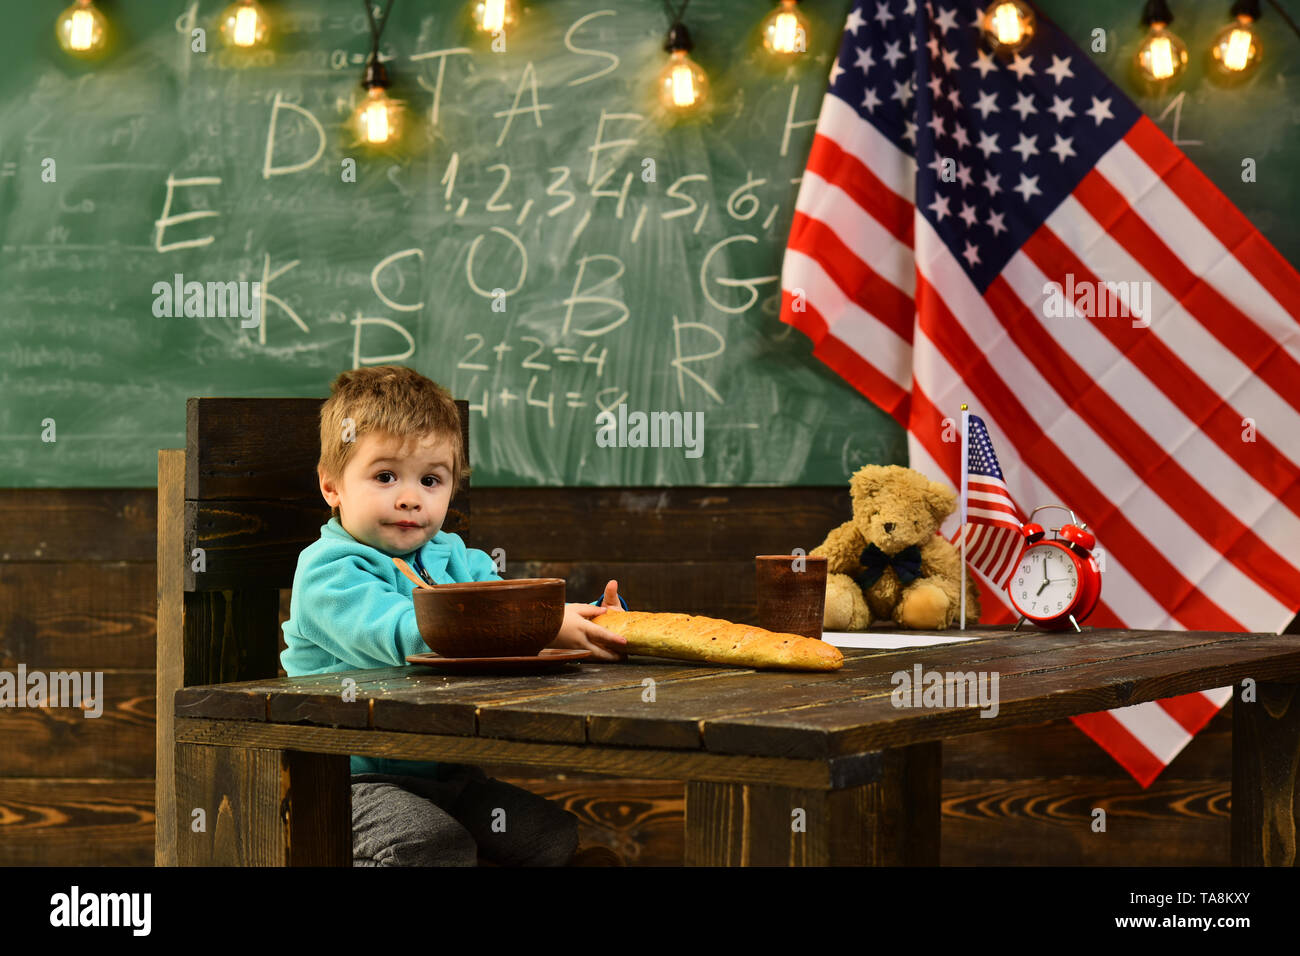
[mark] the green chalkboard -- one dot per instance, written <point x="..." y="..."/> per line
<point x="659" y="292"/>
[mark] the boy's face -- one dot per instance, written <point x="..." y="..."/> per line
<point x="393" y="503"/>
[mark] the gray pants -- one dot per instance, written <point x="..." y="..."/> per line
<point x="414" y="821"/>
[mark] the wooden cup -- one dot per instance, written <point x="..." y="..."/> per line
<point x="790" y="601"/>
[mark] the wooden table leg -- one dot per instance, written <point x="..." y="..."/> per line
<point x="262" y="807"/>
<point x="1266" y="776"/>
<point x="892" y="820"/>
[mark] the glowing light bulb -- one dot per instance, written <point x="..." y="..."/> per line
<point x="1008" y="26"/>
<point x="683" y="86"/>
<point x="785" y="30"/>
<point x="80" y="36"/>
<point x="82" y="30"/>
<point x="1236" y="50"/>
<point x="1162" y="55"/>
<point x="244" y="24"/>
<point x="378" y="120"/>
<point x="493" y="16"/>
<point x="1162" y="58"/>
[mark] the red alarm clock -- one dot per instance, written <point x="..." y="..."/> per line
<point x="1056" y="583"/>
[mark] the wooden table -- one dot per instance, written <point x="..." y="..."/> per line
<point x="781" y="767"/>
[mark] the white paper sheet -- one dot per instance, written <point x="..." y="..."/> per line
<point x="887" y="640"/>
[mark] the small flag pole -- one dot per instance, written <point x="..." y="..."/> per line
<point x="961" y="595"/>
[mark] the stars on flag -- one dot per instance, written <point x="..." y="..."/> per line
<point x="1061" y="109"/>
<point x="1028" y="187"/>
<point x="1060" y="68"/>
<point x="1009" y="126"/>
<point x="1020" y="66"/>
<point x="1100" y="110"/>
<point x="946" y="20"/>
<point x="1028" y="146"/>
<point x="986" y="103"/>
<point x="1062" y="147"/>
<point x="988" y="144"/>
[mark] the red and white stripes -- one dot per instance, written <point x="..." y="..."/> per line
<point x="1146" y="432"/>
<point x="1178" y="443"/>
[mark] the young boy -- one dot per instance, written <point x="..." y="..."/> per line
<point x="391" y="459"/>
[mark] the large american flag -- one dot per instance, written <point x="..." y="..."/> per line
<point x="1174" y="435"/>
<point x="991" y="519"/>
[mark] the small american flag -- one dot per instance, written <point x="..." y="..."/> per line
<point x="953" y="202"/>
<point x="989" y="516"/>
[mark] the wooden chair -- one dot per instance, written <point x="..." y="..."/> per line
<point x="243" y="490"/>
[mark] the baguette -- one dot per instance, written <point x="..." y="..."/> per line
<point x="694" y="638"/>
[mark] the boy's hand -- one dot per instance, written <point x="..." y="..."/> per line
<point x="580" y="632"/>
<point x="610" y="598"/>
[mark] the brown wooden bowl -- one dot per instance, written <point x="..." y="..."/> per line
<point x="490" y="618"/>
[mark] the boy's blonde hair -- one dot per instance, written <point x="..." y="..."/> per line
<point x="392" y="400"/>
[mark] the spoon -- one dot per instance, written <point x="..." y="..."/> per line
<point x="406" y="569"/>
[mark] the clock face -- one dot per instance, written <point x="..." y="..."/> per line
<point x="1045" y="583"/>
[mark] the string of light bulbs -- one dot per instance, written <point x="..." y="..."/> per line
<point x="682" y="85"/>
<point x="1235" y="51"/>
<point x="82" y="29"/>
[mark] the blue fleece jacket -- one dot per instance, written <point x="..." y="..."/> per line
<point x="351" y="608"/>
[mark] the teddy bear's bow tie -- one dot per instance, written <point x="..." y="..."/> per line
<point x="906" y="564"/>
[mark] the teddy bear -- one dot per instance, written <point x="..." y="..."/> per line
<point x="888" y="562"/>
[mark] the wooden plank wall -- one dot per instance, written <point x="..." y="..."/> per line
<point x="78" y="591"/>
